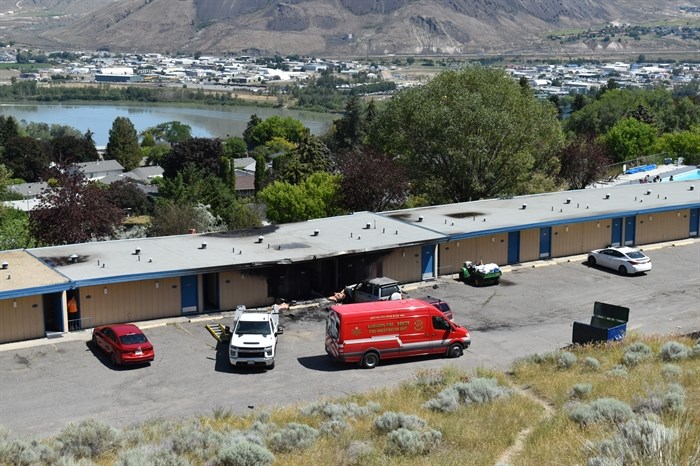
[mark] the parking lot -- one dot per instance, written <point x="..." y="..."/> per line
<point x="45" y="386"/>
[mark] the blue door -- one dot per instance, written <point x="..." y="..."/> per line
<point x="428" y="261"/>
<point x="616" y="239"/>
<point x="630" y="224"/>
<point x="188" y="294"/>
<point x="513" y="247"/>
<point x="545" y="242"/>
<point x="694" y="214"/>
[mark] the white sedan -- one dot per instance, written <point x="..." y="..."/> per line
<point x="624" y="259"/>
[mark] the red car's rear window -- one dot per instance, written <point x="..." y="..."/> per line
<point x="133" y="339"/>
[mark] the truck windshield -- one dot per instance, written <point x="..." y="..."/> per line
<point x="253" y="328"/>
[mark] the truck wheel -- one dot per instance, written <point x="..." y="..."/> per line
<point x="271" y="366"/>
<point x="370" y="360"/>
<point x="454" y="351"/>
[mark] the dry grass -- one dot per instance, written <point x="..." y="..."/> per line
<point x="531" y="426"/>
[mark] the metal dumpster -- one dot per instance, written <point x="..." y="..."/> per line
<point x="609" y="323"/>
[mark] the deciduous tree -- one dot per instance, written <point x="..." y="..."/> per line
<point x="26" y="157"/>
<point x="201" y="153"/>
<point x="583" y="161"/>
<point x="630" y="138"/>
<point x="73" y="211"/>
<point x="171" y="132"/>
<point x="370" y="180"/>
<point x="65" y="150"/>
<point x="468" y="135"/>
<point x="315" y="197"/>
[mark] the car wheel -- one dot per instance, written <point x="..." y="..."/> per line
<point x="454" y="351"/>
<point x="113" y="358"/>
<point x="370" y="360"/>
<point x="591" y="260"/>
<point x="622" y="270"/>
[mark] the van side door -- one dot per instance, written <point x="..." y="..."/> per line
<point x="440" y="334"/>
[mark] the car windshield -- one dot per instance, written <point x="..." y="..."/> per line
<point x="253" y="328"/>
<point x="133" y="339"/>
<point x="635" y="255"/>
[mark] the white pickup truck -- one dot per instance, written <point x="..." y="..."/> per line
<point x="254" y="337"/>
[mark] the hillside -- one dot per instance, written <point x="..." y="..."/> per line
<point x="341" y="27"/>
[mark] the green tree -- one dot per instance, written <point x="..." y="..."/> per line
<point x="123" y="144"/>
<point x="629" y="139"/>
<point x="684" y="144"/>
<point x="260" y="172"/>
<point x="171" y="132"/>
<point x="349" y="131"/>
<point x="9" y="128"/>
<point x="235" y="148"/>
<point x="315" y="197"/>
<point x="70" y="149"/>
<point x="26" y="158"/>
<point x="250" y="127"/>
<point x="14" y="230"/>
<point x="310" y="156"/>
<point x="175" y="218"/>
<point x="469" y="134"/>
<point x="201" y="153"/>
<point x="288" y="128"/>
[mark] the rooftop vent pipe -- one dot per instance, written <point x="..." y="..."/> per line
<point x="137" y="251"/>
<point x="607" y="196"/>
<point x="524" y="206"/>
<point x="316" y="232"/>
<point x="204" y="244"/>
<point x="368" y="226"/>
<point x="73" y="258"/>
<point x="420" y="218"/>
<point x="260" y="239"/>
<point x="568" y="200"/>
<point x="5" y="265"/>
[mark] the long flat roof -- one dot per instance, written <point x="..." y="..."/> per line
<point x="477" y="218"/>
<point x="105" y="261"/>
<point x="24" y="272"/>
<point x="361" y="232"/>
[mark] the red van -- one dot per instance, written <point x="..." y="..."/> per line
<point x="368" y="332"/>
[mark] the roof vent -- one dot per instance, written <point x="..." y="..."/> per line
<point x="524" y="206"/>
<point x="568" y="200"/>
<point x="648" y="191"/>
<point x="368" y="226"/>
<point x="260" y="239"/>
<point x="316" y="232"/>
<point x="607" y="196"/>
<point x="73" y="258"/>
<point x="137" y="251"/>
<point x="692" y="187"/>
<point x="420" y="218"/>
<point x="204" y="245"/>
<point x="5" y="265"/>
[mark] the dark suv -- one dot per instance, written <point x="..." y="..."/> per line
<point x="440" y="305"/>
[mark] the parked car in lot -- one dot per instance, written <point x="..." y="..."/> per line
<point x="440" y="305"/>
<point x="375" y="289"/>
<point x="123" y="344"/>
<point x="624" y="259"/>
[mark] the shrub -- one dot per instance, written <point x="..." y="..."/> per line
<point x="674" y="400"/>
<point x="618" y="371"/>
<point x="391" y="420"/>
<point x="653" y="404"/>
<point x="88" y="439"/>
<point x="409" y="442"/>
<point x="358" y="452"/>
<point x="196" y="441"/>
<point x="602" y="409"/>
<point x="639" y="441"/>
<point x="334" y="410"/>
<point x="446" y="401"/>
<point x="631" y="359"/>
<point x="243" y="453"/>
<point x="591" y="363"/>
<point x="292" y="437"/>
<point x="333" y="427"/>
<point x="580" y="390"/>
<point x="480" y="390"/>
<point x="672" y="351"/>
<point x="566" y="359"/>
<point x="19" y="452"/>
<point x="671" y="371"/>
<point x="639" y="347"/>
<point x="150" y="457"/>
<point x="544" y="358"/>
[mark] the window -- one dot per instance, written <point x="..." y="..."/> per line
<point x="440" y="324"/>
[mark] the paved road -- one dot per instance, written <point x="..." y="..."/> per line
<point x="44" y="387"/>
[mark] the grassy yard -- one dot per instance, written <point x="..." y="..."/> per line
<point x="634" y="402"/>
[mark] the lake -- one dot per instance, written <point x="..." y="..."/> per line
<point x="205" y="121"/>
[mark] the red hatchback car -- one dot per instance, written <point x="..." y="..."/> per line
<point x="123" y="343"/>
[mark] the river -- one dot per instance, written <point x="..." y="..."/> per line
<point x="205" y="121"/>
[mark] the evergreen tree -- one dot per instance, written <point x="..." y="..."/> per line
<point x="123" y="144"/>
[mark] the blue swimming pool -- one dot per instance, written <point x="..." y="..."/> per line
<point x="689" y="175"/>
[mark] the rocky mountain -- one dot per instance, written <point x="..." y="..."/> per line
<point x="342" y="27"/>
